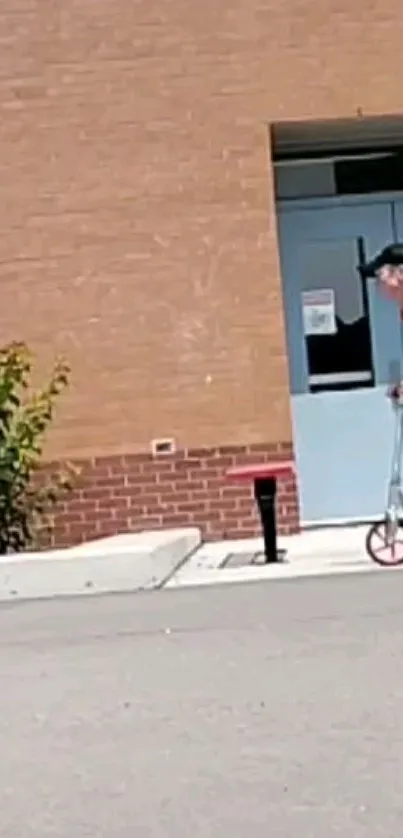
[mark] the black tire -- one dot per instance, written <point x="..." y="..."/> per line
<point x="377" y="533"/>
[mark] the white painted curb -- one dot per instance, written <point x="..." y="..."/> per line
<point x="341" y="541"/>
<point x="321" y="552"/>
<point x="337" y="541"/>
<point x="131" y="562"/>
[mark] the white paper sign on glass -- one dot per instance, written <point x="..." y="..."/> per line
<point x="318" y="311"/>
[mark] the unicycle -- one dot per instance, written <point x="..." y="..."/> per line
<point x="384" y="541"/>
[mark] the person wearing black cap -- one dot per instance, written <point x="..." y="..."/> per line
<point x="387" y="268"/>
<point x="391" y="256"/>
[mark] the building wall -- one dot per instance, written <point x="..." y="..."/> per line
<point x="137" y="223"/>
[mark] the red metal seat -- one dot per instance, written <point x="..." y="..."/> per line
<point x="283" y="468"/>
<point x="264" y="477"/>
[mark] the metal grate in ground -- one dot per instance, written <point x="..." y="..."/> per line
<point x="247" y="559"/>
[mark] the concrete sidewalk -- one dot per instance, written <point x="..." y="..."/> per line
<point x="130" y="562"/>
<point x="172" y="558"/>
<point x="318" y="552"/>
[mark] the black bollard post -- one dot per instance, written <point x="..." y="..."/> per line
<point x="265" y="495"/>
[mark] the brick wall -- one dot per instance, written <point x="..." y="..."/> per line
<point x="134" y="226"/>
<point x="137" y="220"/>
<point x="119" y="494"/>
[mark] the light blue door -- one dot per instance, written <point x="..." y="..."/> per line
<point x="340" y="363"/>
<point x="398" y="219"/>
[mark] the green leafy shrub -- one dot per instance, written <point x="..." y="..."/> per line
<point x="26" y="496"/>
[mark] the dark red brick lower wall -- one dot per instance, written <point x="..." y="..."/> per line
<point x="190" y="488"/>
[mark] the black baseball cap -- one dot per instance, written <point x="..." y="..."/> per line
<point x="390" y="255"/>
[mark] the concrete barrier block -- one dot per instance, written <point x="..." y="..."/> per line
<point x="129" y="562"/>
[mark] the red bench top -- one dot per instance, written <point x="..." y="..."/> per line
<point x="283" y="468"/>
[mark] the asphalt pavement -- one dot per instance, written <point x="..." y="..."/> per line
<point x="247" y="711"/>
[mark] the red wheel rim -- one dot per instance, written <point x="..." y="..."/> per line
<point x="386" y="553"/>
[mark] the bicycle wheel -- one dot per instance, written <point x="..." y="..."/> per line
<point x="386" y="553"/>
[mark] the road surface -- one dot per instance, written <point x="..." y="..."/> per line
<point x="234" y="712"/>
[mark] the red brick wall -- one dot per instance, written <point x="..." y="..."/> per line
<point x="137" y="217"/>
<point x="119" y="494"/>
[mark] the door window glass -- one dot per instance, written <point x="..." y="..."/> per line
<point x="335" y="315"/>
